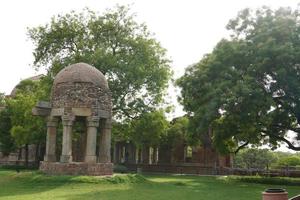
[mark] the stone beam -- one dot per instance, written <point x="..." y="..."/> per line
<point x="42" y="108"/>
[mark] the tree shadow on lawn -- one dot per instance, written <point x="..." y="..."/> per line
<point x="29" y="182"/>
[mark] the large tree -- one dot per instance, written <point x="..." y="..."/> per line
<point x="248" y="88"/>
<point x="124" y="50"/>
<point x="26" y="129"/>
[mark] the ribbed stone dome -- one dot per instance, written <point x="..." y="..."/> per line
<point x="81" y="73"/>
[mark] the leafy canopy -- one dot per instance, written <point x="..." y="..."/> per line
<point x="26" y="128"/>
<point x="248" y="88"/>
<point x="254" y="158"/>
<point x="149" y="129"/>
<point x="177" y="132"/>
<point x="124" y="50"/>
<point x="291" y="160"/>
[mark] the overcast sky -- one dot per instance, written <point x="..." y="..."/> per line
<point x="187" y="29"/>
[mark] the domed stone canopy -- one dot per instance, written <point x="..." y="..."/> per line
<point x="81" y="86"/>
<point x="81" y="73"/>
<point x="79" y="92"/>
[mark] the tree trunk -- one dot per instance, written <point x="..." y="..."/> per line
<point x="26" y="155"/>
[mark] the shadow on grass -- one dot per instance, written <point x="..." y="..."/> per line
<point x="28" y="182"/>
<point x="33" y="182"/>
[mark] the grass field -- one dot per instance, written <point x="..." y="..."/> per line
<point x="33" y="185"/>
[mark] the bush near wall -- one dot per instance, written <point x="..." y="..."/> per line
<point x="266" y="180"/>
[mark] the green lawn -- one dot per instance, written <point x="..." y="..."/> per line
<point x="33" y="185"/>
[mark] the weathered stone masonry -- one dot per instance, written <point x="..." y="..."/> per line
<point x="79" y="90"/>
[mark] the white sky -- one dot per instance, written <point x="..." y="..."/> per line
<point x="187" y="29"/>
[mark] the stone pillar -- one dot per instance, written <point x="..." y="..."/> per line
<point x="105" y="141"/>
<point x="146" y="155"/>
<point x="131" y="153"/>
<point x="155" y="155"/>
<point x="66" y="154"/>
<point x="51" y="140"/>
<point x="91" y="141"/>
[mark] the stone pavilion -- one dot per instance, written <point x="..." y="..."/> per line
<point x="79" y="92"/>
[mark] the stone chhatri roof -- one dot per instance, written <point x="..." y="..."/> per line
<point x="81" y="72"/>
<point x="33" y="78"/>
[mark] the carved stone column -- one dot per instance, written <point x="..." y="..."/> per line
<point x="91" y="141"/>
<point x="105" y="141"/>
<point x="66" y="154"/>
<point x="51" y="140"/>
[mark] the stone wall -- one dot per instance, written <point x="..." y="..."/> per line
<point x="77" y="168"/>
<point x="175" y="169"/>
<point x="14" y="157"/>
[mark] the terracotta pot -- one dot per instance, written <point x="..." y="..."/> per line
<point x="275" y="194"/>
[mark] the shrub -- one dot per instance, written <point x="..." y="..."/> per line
<point x="120" y="169"/>
<point x="289" y="161"/>
<point x="266" y="180"/>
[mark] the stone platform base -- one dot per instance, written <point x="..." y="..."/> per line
<point x="76" y="168"/>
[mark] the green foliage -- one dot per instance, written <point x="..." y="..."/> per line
<point x="26" y="128"/>
<point x="120" y="169"/>
<point x="2" y="100"/>
<point x="130" y="178"/>
<point x="38" y="177"/>
<point x="125" y="51"/>
<point x="255" y="158"/>
<point x="121" y="131"/>
<point x="247" y="89"/>
<point x="7" y="143"/>
<point x="266" y="180"/>
<point x="177" y="132"/>
<point x="289" y="161"/>
<point x="149" y="129"/>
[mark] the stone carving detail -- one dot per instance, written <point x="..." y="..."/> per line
<point x="78" y="95"/>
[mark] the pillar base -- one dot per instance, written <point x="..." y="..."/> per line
<point x="90" y="159"/>
<point x="77" y="168"/>
<point x="50" y="158"/>
<point x="65" y="159"/>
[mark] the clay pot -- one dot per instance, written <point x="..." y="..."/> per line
<point x="275" y="194"/>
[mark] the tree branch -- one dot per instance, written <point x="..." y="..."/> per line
<point x="290" y="145"/>
<point x="283" y="139"/>
<point x="241" y="147"/>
